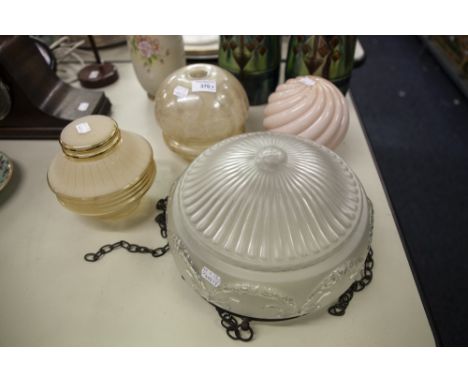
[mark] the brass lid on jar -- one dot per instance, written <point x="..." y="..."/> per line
<point x="89" y="137"/>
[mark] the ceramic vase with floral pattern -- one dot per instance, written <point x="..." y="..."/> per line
<point x="154" y="58"/>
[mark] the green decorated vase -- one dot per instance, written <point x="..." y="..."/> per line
<point x="330" y="57"/>
<point x="255" y="61"/>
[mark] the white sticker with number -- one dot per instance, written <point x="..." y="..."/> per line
<point x="83" y="106"/>
<point x="93" y="74"/>
<point x="211" y="277"/>
<point x="180" y="91"/>
<point x="307" y="81"/>
<point x="83" y="128"/>
<point x="204" y="86"/>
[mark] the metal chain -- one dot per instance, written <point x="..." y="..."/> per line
<point x="339" y="309"/>
<point x="160" y="219"/>
<point x="235" y="330"/>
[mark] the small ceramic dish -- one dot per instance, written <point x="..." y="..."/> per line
<point x="6" y="170"/>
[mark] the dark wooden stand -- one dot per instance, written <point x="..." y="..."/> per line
<point x="42" y="104"/>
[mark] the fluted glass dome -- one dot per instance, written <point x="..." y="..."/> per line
<point x="271" y="201"/>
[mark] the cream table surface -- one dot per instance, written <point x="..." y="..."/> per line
<point x="49" y="296"/>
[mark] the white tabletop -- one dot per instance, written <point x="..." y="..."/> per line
<point x="50" y="296"/>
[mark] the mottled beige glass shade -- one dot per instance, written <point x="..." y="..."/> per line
<point x="310" y="107"/>
<point x="101" y="170"/>
<point x="199" y="105"/>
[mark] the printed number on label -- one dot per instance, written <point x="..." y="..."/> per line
<point x="204" y="86"/>
<point x="211" y="277"/>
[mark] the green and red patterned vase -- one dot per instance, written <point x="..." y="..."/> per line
<point x="255" y="61"/>
<point x="330" y="57"/>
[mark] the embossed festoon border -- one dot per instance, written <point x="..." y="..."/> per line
<point x="238" y="327"/>
<point x="280" y="302"/>
<point x="242" y="330"/>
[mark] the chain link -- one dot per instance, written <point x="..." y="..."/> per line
<point x="235" y="330"/>
<point x="160" y="219"/>
<point x="339" y="309"/>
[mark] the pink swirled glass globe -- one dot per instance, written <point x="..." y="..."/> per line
<point x="310" y="107"/>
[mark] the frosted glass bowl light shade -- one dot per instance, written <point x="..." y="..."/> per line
<point x="310" y="107"/>
<point x="101" y="170"/>
<point x="269" y="225"/>
<point x="199" y="105"/>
